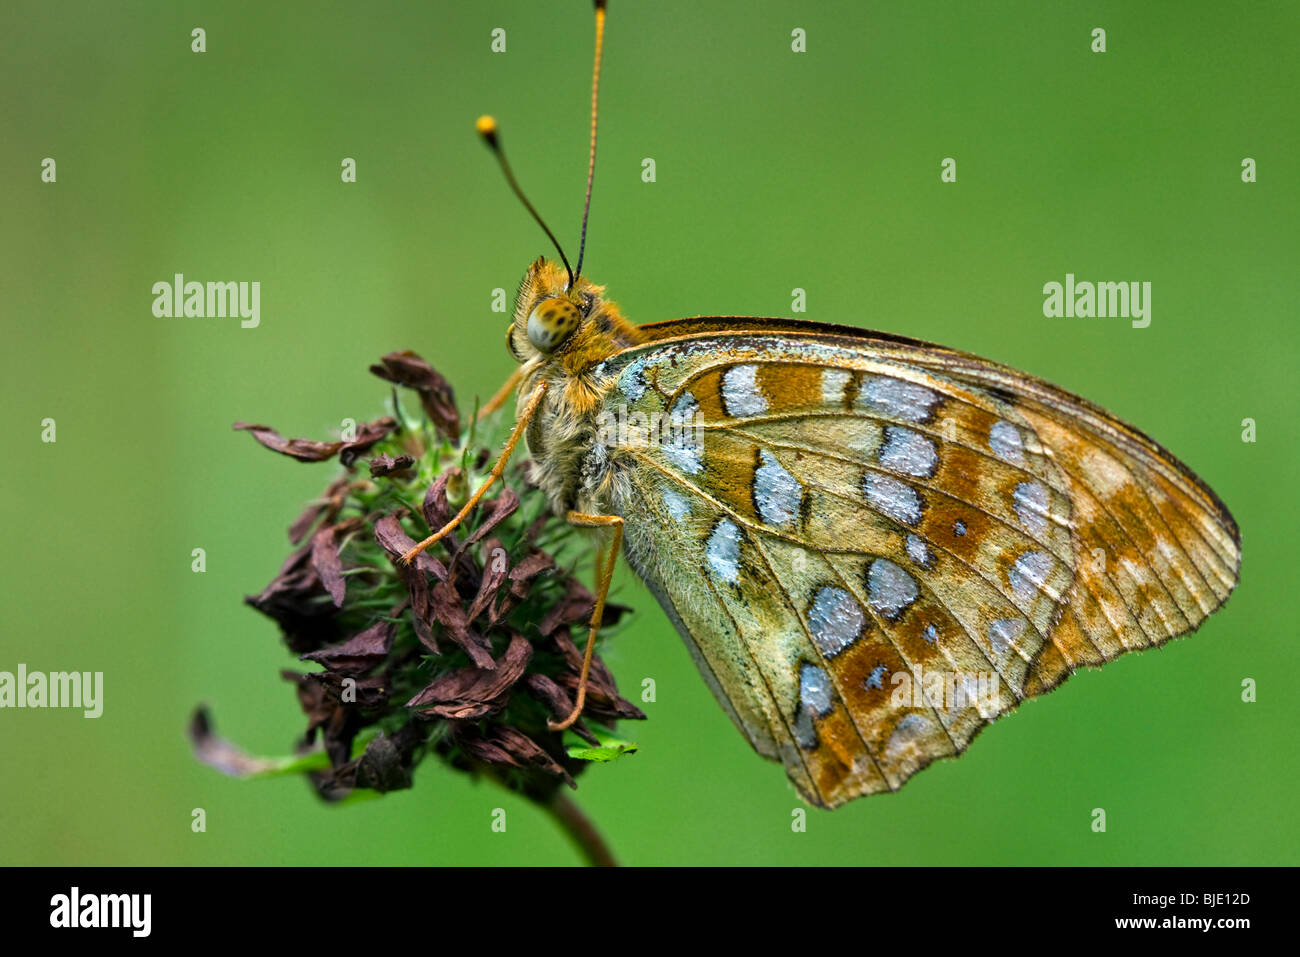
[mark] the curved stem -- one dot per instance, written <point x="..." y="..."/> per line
<point x="580" y="830"/>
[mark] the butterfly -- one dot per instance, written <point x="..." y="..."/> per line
<point x="872" y="546"/>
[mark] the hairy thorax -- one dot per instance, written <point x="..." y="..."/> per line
<point x="570" y="460"/>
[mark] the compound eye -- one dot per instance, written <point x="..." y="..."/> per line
<point x="551" y="322"/>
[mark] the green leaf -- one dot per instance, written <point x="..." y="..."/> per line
<point x="609" y="749"/>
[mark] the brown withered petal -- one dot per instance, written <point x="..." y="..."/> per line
<point x="295" y="561"/>
<point x="436" y="395"/>
<point x="471" y="693"/>
<point x="603" y="700"/>
<point x="218" y="752"/>
<point x="558" y="701"/>
<point x="298" y="602"/>
<point x="532" y="565"/>
<point x="325" y="508"/>
<point x="385" y="464"/>
<point x="304" y="522"/>
<point x="614" y="708"/>
<point x="314" y="699"/>
<point x="575" y="606"/>
<point x="504" y="745"/>
<point x="367" y="435"/>
<point x="393" y="539"/>
<point x="447" y="610"/>
<point x="385" y="765"/>
<point x="304" y="450"/>
<point x="336" y="783"/>
<point x="418" y="590"/>
<point x="320" y="694"/>
<point x="521" y="578"/>
<point x="437" y="512"/>
<point x="361" y="653"/>
<point x="310" y="450"/>
<point x="497" y="510"/>
<point x="495" y="570"/>
<point x="327" y="564"/>
<point x="371" y="692"/>
<point x="614" y="614"/>
<point x="501" y="610"/>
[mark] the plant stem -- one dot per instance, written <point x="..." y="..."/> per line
<point x="580" y="830"/>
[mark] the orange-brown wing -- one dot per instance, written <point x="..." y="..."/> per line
<point x="875" y="546"/>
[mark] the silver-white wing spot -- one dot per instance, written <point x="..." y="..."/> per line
<point x="834" y="382"/>
<point x="681" y="443"/>
<point x="918" y="551"/>
<point x="777" y="493"/>
<point x="1006" y="442"/>
<point x="908" y="452"/>
<point x="815" y="690"/>
<point x="1003" y="634"/>
<point x="893" y="498"/>
<point x="835" y="620"/>
<point x="678" y="505"/>
<point x="723" y="551"/>
<point x="890" y="590"/>
<point x="632" y="381"/>
<point x="1031" y="502"/>
<point x="898" y="399"/>
<point x="740" y="392"/>
<point x="1028" y="575"/>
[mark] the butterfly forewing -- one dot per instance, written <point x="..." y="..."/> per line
<point x="875" y="547"/>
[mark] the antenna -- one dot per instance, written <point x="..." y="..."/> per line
<point x="591" y="162"/>
<point x="487" y="128"/>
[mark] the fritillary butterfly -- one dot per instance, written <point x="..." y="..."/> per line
<point x="872" y="546"/>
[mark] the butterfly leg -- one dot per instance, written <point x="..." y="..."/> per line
<point x="534" y="400"/>
<point x="604" y="573"/>
<point x="502" y="394"/>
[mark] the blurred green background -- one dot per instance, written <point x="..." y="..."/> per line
<point x="775" y="170"/>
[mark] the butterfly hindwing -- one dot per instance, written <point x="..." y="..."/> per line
<point x="875" y="547"/>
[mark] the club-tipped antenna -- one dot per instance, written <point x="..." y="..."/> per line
<point x="487" y="128"/>
<point x="591" y="161"/>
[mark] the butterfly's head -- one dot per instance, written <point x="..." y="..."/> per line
<point x="548" y="313"/>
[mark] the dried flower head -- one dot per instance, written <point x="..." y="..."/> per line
<point x="464" y="654"/>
